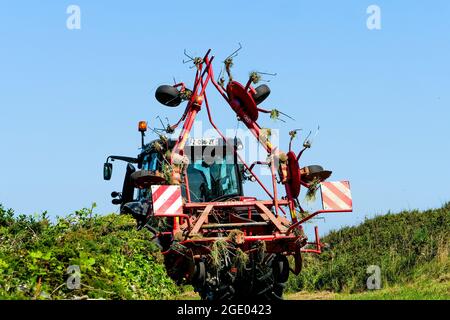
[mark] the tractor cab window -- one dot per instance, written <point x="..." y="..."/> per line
<point x="211" y="181"/>
<point x="151" y="162"/>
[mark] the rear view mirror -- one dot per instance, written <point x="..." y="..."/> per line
<point x="107" y="171"/>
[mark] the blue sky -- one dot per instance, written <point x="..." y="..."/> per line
<point x="69" y="98"/>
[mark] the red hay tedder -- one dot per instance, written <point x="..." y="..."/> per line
<point x="189" y="194"/>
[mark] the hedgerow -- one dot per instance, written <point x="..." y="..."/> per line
<point x="40" y="259"/>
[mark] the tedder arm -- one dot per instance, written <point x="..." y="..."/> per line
<point x="239" y="98"/>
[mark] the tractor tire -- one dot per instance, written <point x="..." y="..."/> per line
<point x="259" y="282"/>
<point x="266" y="285"/>
<point x="213" y="290"/>
<point x="262" y="92"/>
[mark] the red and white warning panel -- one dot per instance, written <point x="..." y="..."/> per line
<point x="336" y="196"/>
<point x="167" y="200"/>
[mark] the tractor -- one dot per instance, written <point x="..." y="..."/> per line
<point x="188" y="192"/>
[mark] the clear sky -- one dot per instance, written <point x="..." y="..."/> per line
<point x="69" y="98"/>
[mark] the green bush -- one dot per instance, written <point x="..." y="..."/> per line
<point x="115" y="260"/>
<point x="405" y="246"/>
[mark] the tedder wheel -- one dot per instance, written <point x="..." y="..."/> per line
<point x="262" y="92"/>
<point x="168" y="96"/>
<point x="236" y="92"/>
<point x="199" y="274"/>
<point x="294" y="174"/>
<point x="281" y="268"/>
<point x="310" y="173"/>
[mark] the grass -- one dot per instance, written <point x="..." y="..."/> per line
<point x="411" y="248"/>
<point x="420" y="290"/>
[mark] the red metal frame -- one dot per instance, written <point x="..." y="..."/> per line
<point x="317" y="244"/>
<point x="204" y="74"/>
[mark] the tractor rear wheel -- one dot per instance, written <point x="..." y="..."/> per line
<point x="263" y="278"/>
<point x="269" y="279"/>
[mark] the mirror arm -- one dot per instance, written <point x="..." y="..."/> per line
<point x="126" y="159"/>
